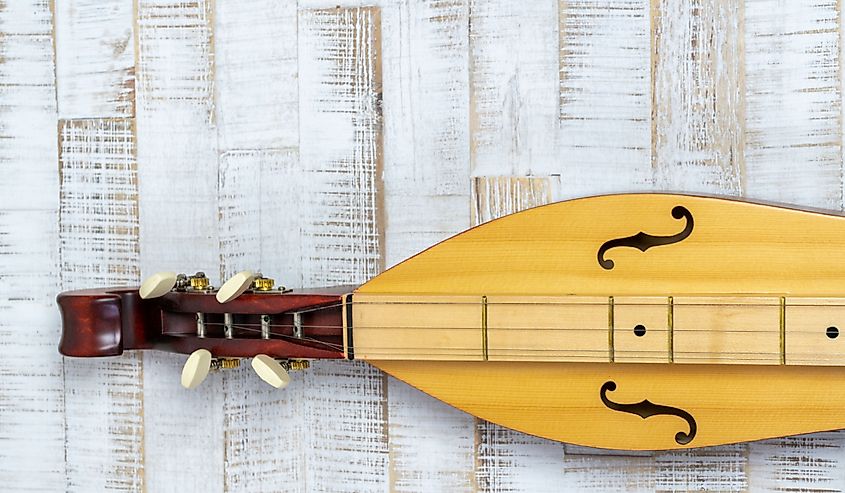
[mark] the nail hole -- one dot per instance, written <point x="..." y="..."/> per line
<point x="639" y="330"/>
<point x="832" y="332"/>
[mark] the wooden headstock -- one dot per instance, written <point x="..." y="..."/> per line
<point x="303" y="324"/>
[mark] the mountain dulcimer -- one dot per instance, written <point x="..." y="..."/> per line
<point x="637" y="321"/>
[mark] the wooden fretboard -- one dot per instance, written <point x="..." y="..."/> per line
<point x="760" y="330"/>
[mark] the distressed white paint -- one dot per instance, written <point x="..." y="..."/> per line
<point x="425" y="48"/>
<point x="793" y="104"/>
<point x="341" y="144"/>
<point x="177" y="172"/>
<point x="250" y="116"/>
<point x="698" y="93"/>
<point x="95" y="60"/>
<point x="255" y="50"/>
<point x="605" y="96"/>
<point x="514" y="87"/>
<point x="31" y="395"/>
<point x="98" y="233"/>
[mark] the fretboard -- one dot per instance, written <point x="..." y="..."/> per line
<point x="761" y="330"/>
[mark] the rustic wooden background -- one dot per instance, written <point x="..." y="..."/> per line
<point x="320" y="144"/>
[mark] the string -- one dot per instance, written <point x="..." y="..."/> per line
<point x="566" y="353"/>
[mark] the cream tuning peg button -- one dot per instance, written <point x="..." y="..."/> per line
<point x="157" y="285"/>
<point x="196" y="368"/>
<point x="235" y="286"/>
<point x="269" y="370"/>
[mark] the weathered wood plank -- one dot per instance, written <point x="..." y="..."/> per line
<point x="514" y="88"/>
<point x="98" y="233"/>
<point x="341" y="158"/>
<point x="255" y="51"/>
<point x="426" y="112"/>
<point x="177" y="171"/>
<point x="95" y="58"/>
<point x="698" y="95"/>
<point x="793" y="105"/>
<point x="259" y="230"/>
<point x="32" y="410"/>
<point x="341" y="144"/>
<point x="709" y="469"/>
<point x="605" y="96"/>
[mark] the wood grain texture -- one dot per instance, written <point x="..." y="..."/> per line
<point x="698" y="95"/>
<point x="342" y="230"/>
<point x="98" y="234"/>
<point x="32" y="413"/>
<point x="425" y="48"/>
<point x="340" y="95"/>
<point x="514" y="88"/>
<point x="605" y="95"/>
<point x="793" y="105"/>
<point x="95" y="60"/>
<point x="177" y="172"/>
<point x="729" y="97"/>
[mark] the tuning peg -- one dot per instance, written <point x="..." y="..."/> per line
<point x="196" y="368"/>
<point x="157" y="285"/>
<point x="235" y="286"/>
<point x="269" y="370"/>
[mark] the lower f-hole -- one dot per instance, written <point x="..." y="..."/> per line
<point x="639" y="330"/>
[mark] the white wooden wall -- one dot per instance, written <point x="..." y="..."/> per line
<point x="321" y="143"/>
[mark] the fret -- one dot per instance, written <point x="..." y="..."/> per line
<point x="640" y="331"/>
<point x="732" y="330"/>
<point x="807" y="322"/>
<point x="545" y="328"/>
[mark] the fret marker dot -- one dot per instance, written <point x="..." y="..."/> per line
<point x="639" y="330"/>
<point x="832" y="332"/>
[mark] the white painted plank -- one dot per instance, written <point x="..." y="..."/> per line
<point x="589" y="469"/>
<point x="98" y="232"/>
<point x="255" y="49"/>
<point x="177" y="172"/>
<point x="698" y="91"/>
<point x="428" y="443"/>
<point x="32" y="409"/>
<point x="426" y="112"/>
<point x="605" y="96"/>
<point x="95" y="58"/>
<point x="514" y="86"/>
<point x="259" y="230"/>
<point x="811" y="463"/>
<point x="793" y="103"/>
<point x="709" y="469"/>
<point x="341" y="144"/>
<point x="341" y="158"/>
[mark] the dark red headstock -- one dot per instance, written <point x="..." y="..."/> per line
<point x="305" y="324"/>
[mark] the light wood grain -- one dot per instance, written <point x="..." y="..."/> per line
<point x="561" y="400"/>
<point x="807" y="322"/>
<point x="548" y="328"/>
<point x="413" y="327"/>
<point x="735" y="330"/>
<point x="95" y="60"/>
<point x="653" y="314"/>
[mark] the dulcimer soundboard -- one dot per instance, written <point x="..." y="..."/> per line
<point x="634" y="321"/>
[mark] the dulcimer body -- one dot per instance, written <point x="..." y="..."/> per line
<point x="635" y="321"/>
